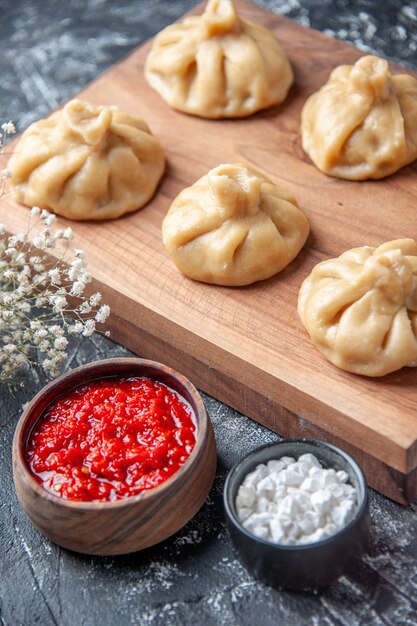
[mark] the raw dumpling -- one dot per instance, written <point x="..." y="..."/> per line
<point x="233" y="227"/>
<point x="218" y="65"/>
<point x="87" y="163"/>
<point x="363" y="122"/>
<point x="361" y="308"/>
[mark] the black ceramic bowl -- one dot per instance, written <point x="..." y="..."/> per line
<point x="305" y="566"/>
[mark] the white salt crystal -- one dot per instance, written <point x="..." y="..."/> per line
<point x="295" y="502"/>
<point x="280" y="492"/>
<point x="303" y="500"/>
<point x="291" y="477"/>
<point x="337" y="491"/>
<point x="330" y="529"/>
<point x="262" y="505"/>
<point x="312" y="483"/>
<point x="256" y="519"/>
<point x="306" y="526"/>
<point x="342" y="476"/>
<point x="310" y="460"/>
<point x="286" y="521"/>
<point x="275" y="466"/>
<point x="350" y="492"/>
<point x="266" y="484"/>
<point x="246" y="496"/>
<point x="261" y="531"/>
<point x="244" y="513"/>
<point x="343" y="513"/>
<point x="253" y="478"/>
<point x="277" y="531"/>
<point x="287" y="460"/>
<point x="288" y="507"/>
<point x="330" y="478"/>
<point x="322" y="500"/>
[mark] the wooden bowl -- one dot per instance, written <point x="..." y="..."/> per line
<point x="138" y="521"/>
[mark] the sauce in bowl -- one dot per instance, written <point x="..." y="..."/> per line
<point x="110" y="439"/>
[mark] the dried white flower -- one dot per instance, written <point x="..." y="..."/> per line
<point x="84" y="308"/>
<point x="38" y="294"/>
<point x="39" y="241"/>
<point x="103" y="313"/>
<point x="9" y="274"/>
<point x="76" y="329"/>
<point x="95" y="299"/>
<point x="41" y="333"/>
<point x="8" y="128"/>
<point x="44" y="345"/>
<point x="55" y="276"/>
<point x="89" y="328"/>
<point x="61" y="343"/>
<point x="23" y="307"/>
<point x="16" y="239"/>
<point x="55" y="330"/>
<point x="77" y="288"/>
<point x="51" y="219"/>
<point x="10" y="348"/>
<point x="59" y="303"/>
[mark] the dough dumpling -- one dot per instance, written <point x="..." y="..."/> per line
<point x="363" y="122"/>
<point x="218" y="65"/>
<point x="233" y="227"/>
<point x="361" y="308"/>
<point x="87" y="162"/>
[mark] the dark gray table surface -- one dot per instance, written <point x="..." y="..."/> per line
<point x="49" y="50"/>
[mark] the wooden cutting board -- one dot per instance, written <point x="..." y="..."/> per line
<point x="246" y="346"/>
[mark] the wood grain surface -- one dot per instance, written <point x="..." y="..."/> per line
<point x="246" y="346"/>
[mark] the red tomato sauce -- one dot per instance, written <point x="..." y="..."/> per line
<point x="110" y="439"/>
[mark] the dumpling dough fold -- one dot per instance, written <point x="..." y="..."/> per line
<point x="87" y="162"/>
<point x="218" y="65"/>
<point x="361" y="308"/>
<point x="363" y="122"/>
<point x="233" y="227"/>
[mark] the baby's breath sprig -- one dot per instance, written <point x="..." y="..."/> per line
<point x="6" y="129"/>
<point x="38" y="293"/>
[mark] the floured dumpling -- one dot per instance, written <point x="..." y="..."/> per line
<point x="87" y="162"/>
<point x="363" y="122"/>
<point x="218" y="65"/>
<point x="361" y="308"/>
<point x="233" y="227"/>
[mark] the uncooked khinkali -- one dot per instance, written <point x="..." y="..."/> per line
<point x="218" y="65"/>
<point x="361" y="308"/>
<point x="363" y="122"/>
<point x="87" y="163"/>
<point x="233" y="227"/>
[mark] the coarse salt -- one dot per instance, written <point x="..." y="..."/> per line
<point x="293" y="502"/>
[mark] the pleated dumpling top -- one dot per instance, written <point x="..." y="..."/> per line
<point x="87" y="162"/>
<point x="218" y="65"/>
<point x="234" y="227"/>
<point x="360" y="309"/>
<point x="363" y="122"/>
